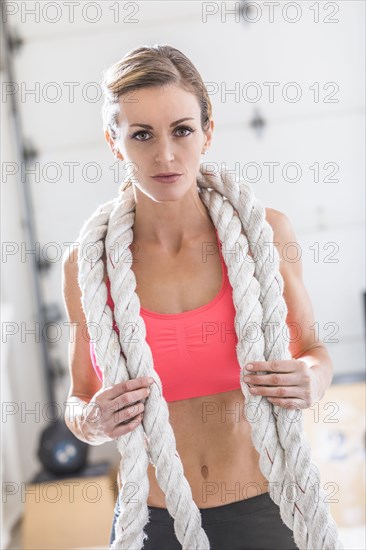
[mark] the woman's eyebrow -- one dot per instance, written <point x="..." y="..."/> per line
<point x="148" y="127"/>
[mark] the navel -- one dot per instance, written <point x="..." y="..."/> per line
<point x="204" y="470"/>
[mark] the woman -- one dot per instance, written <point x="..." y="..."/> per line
<point x="161" y="124"/>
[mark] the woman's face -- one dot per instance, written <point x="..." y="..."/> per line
<point x="160" y="132"/>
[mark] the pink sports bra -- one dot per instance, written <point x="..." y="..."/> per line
<point x="194" y="352"/>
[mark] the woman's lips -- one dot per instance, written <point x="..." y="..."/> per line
<point x="167" y="179"/>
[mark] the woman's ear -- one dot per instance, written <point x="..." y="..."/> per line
<point x="113" y="145"/>
<point x="208" y="134"/>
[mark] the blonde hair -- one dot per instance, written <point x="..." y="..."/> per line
<point x="147" y="66"/>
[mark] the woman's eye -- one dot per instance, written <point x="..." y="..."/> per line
<point x="138" y="134"/>
<point x="184" y="128"/>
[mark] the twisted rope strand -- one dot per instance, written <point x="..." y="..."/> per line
<point x="162" y="444"/>
<point x="94" y="296"/>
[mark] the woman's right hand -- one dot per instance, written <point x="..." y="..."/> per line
<point x="115" y="411"/>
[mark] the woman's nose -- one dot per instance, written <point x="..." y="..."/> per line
<point x="164" y="151"/>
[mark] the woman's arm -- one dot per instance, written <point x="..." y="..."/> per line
<point x="300" y="318"/>
<point x="84" y="382"/>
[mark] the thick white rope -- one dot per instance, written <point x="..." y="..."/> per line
<point x="260" y="324"/>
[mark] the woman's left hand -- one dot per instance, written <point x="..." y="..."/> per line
<point x="290" y="384"/>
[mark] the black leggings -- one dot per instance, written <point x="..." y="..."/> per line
<point x="250" y="524"/>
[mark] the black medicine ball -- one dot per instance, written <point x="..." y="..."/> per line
<point x="60" y="451"/>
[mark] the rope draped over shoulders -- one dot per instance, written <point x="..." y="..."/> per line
<point x="260" y="325"/>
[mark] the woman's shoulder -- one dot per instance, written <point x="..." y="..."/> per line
<point x="283" y="236"/>
<point x="280" y="223"/>
<point x="274" y="217"/>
